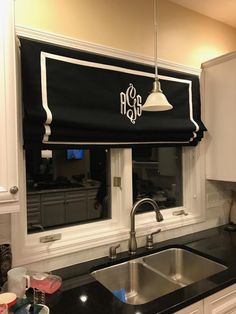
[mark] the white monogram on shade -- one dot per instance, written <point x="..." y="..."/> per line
<point x="131" y="103"/>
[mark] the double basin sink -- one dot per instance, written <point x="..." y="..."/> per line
<point x="144" y="279"/>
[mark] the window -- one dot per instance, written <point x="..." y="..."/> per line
<point x="99" y="233"/>
<point x="157" y="173"/>
<point x="68" y="187"/>
<point x="73" y="186"/>
<point x="93" y="239"/>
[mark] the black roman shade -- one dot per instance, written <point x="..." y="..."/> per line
<point x="75" y="98"/>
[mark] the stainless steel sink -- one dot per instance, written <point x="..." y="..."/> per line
<point x="182" y="266"/>
<point x="140" y="284"/>
<point x="149" y="277"/>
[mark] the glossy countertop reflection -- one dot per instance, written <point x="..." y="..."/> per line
<point x="81" y="294"/>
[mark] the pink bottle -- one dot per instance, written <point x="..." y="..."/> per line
<point x="45" y="283"/>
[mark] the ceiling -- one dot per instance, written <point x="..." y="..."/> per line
<point x="221" y="10"/>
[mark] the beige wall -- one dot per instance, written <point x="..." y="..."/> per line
<point x="184" y="36"/>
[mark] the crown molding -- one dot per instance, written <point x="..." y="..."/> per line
<point x="226" y="57"/>
<point x="78" y="44"/>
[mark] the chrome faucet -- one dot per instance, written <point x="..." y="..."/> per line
<point x="159" y="217"/>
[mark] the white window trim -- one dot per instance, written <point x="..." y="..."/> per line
<point x="28" y="249"/>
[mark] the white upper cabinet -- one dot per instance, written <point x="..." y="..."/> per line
<point x="9" y="200"/>
<point x="219" y="97"/>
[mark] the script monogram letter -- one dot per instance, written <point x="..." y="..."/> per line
<point x="122" y="103"/>
<point x="131" y="104"/>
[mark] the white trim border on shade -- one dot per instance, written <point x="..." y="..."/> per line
<point x="45" y="55"/>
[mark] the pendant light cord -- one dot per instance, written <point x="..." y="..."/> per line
<point x="156" y="101"/>
<point x="155" y="37"/>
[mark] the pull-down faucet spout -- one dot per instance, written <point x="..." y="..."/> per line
<point x="159" y="217"/>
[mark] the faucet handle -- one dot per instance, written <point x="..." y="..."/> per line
<point x="159" y="216"/>
<point x="112" y="251"/>
<point x="149" y="243"/>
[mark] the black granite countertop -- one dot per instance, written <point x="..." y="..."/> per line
<point x="216" y="243"/>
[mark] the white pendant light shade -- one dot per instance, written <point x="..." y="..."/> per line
<point x="156" y="101"/>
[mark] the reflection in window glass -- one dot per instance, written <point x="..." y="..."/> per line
<point x="70" y="188"/>
<point x="157" y="173"/>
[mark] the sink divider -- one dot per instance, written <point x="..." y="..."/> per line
<point x="141" y="261"/>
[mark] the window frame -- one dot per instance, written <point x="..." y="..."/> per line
<point x="28" y="249"/>
<point x="98" y="236"/>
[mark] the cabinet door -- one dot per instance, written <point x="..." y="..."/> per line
<point x="222" y="302"/>
<point x="76" y="206"/>
<point x="34" y="212"/>
<point x="53" y="209"/>
<point x="196" y="308"/>
<point x="8" y="111"/>
<point x="219" y="79"/>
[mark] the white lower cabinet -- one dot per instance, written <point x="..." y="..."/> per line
<point x="196" y="308"/>
<point x="222" y="302"/>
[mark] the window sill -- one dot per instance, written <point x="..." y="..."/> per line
<point x="98" y="242"/>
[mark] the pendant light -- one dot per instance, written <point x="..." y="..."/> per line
<point x="156" y="101"/>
